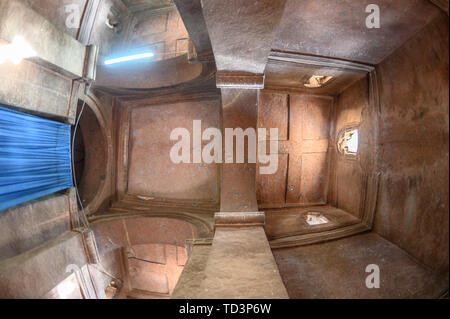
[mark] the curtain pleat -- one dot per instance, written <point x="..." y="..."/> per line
<point x="34" y="157"/>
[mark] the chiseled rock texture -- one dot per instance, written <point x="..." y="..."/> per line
<point x="241" y="266"/>
<point x="337" y="270"/>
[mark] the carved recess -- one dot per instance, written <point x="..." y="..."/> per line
<point x="367" y="211"/>
<point x="303" y="123"/>
<point x="140" y="195"/>
<point x="104" y="138"/>
<point x="160" y="30"/>
<point x="276" y="106"/>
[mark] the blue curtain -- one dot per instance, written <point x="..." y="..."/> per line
<point x="34" y="157"/>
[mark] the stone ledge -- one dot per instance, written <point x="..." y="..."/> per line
<point x="240" y="80"/>
<point x="239" y="219"/>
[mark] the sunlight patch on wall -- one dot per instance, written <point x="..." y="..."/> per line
<point x="348" y="142"/>
<point x="314" y="219"/>
<point x="317" y="81"/>
<point x="16" y="51"/>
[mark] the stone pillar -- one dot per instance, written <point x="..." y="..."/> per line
<point x="238" y="185"/>
<point x="238" y="265"/>
<point x="189" y="284"/>
<point x="239" y="262"/>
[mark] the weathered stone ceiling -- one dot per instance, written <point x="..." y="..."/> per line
<point x="241" y="32"/>
<point x="55" y="11"/>
<point x="139" y="5"/>
<point x="337" y="28"/>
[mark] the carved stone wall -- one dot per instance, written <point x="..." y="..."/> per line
<point x="303" y="124"/>
<point x="413" y="154"/>
<point x="153" y="252"/>
<point x="347" y="174"/>
<point x="161" y="31"/>
<point x="145" y="168"/>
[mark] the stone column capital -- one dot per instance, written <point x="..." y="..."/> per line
<point x="239" y="219"/>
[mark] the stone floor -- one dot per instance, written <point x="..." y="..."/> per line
<point x="337" y="270"/>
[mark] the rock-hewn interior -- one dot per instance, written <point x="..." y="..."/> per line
<point x="142" y="226"/>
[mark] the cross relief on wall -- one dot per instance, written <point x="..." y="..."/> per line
<point x="303" y="123"/>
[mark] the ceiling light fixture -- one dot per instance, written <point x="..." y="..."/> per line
<point x="130" y="58"/>
<point x="16" y="51"/>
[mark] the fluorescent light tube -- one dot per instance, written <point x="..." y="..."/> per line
<point x="130" y="58"/>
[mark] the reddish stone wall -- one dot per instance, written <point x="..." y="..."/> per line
<point x="153" y="253"/>
<point x="303" y="123"/>
<point x="162" y="31"/>
<point x="127" y="232"/>
<point x="409" y="145"/>
<point x="346" y="174"/>
<point x="413" y="209"/>
<point x="151" y="171"/>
